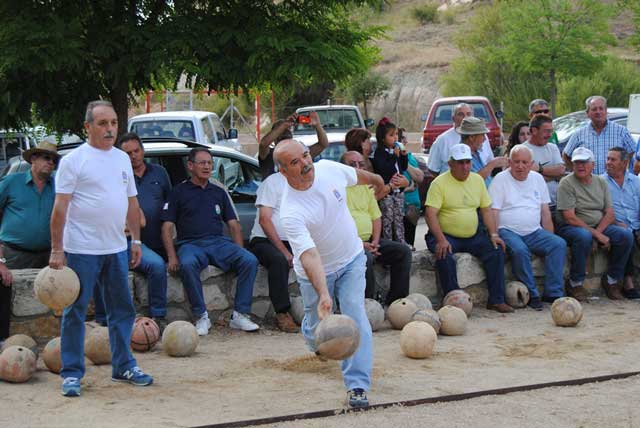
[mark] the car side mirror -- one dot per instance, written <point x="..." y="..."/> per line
<point x="233" y="133"/>
<point x="369" y="123"/>
<point x="499" y="114"/>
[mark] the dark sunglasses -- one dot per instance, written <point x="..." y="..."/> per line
<point x="545" y="111"/>
<point x="48" y="158"/>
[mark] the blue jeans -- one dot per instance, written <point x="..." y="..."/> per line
<point x="225" y="254"/>
<point x="542" y="243"/>
<point x="480" y="246"/>
<point x="111" y="270"/>
<point x="347" y="286"/>
<point x="152" y="266"/>
<point x="580" y="240"/>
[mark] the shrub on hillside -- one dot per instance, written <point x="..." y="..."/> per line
<point x="426" y="13"/>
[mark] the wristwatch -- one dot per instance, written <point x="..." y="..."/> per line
<point x="3" y="260"/>
<point x="136" y="242"/>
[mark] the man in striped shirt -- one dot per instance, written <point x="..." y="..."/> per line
<point x="600" y="135"/>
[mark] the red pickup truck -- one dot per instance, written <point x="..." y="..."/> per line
<point x="440" y="119"/>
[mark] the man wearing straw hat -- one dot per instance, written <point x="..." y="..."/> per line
<point x="26" y="201"/>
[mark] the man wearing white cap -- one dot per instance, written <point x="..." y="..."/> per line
<point x="453" y="201"/>
<point x="585" y="217"/>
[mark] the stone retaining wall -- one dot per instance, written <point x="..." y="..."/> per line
<point x="31" y="317"/>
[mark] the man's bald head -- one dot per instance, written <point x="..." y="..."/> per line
<point x="295" y="163"/>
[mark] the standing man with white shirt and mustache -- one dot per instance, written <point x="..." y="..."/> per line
<point x="95" y="194"/>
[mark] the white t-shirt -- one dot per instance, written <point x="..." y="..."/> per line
<point x="269" y="195"/>
<point x="547" y="155"/>
<point x="100" y="183"/>
<point x="439" y="152"/>
<point x="318" y="217"/>
<point x="518" y="201"/>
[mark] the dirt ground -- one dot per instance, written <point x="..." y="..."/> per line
<point x="235" y="376"/>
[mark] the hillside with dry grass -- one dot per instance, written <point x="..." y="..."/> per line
<point x="415" y="55"/>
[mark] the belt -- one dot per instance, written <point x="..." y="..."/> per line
<point x="24" y="250"/>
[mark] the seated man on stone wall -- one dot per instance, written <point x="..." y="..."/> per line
<point x="26" y="202"/>
<point x="197" y="208"/>
<point x="269" y="244"/>
<point x="453" y="201"/>
<point x="586" y="219"/>
<point x="625" y="195"/>
<point x="521" y="207"/>
<point x="364" y="209"/>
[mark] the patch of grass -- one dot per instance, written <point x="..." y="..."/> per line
<point x="426" y="13"/>
<point x="448" y="16"/>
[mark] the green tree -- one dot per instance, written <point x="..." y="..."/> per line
<point x="363" y="88"/>
<point x="57" y="55"/>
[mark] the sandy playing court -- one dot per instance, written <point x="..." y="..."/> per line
<point x="236" y="376"/>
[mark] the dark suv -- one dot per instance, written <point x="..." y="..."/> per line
<point x="172" y="155"/>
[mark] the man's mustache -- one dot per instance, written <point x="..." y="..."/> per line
<point x="109" y="134"/>
<point x="306" y="169"/>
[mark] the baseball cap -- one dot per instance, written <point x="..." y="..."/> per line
<point x="582" y="154"/>
<point x="460" y="152"/>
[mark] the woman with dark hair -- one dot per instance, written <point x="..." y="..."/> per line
<point x="390" y="161"/>
<point x="359" y="140"/>
<point x="519" y="134"/>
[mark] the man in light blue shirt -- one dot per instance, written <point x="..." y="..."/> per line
<point x="625" y="195"/>
<point x="599" y="135"/>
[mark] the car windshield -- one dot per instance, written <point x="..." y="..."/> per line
<point x="164" y="128"/>
<point x="444" y="112"/>
<point x="333" y="152"/>
<point x="334" y="119"/>
<point x="565" y="125"/>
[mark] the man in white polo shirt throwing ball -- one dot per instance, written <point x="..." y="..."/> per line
<point x="95" y="193"/>
<point x="328" y="256"/>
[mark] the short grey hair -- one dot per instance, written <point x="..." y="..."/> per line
<point x="537" y="102"/>
<point x="593" y="98"/>
<point x="88" y="115"/>
<point x="458" y="107"/>
<point x="520" y="148"/>
<point x="275" y="156"/>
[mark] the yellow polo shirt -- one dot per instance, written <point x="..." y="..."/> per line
<point x="363" y="207"/>
<point x="457" y="202"/>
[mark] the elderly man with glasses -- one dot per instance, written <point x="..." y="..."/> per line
<point x="26" y="201"/>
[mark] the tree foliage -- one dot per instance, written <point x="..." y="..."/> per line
<point x="57" y="55"/>
<point x="517" y="50"/>
<point x="364" y="88"/>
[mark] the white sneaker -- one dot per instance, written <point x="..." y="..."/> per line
<point x="203" y="325"/>
<point x="242" y="322"/>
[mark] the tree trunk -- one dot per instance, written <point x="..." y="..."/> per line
<point x="121" y="106"/>
<point x="366" y="113"/>
<point x="554" y="91"/>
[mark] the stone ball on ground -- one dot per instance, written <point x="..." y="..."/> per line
<point x="57" y="288"/>
<point x="516" y="294"/>
<point x="375" y="313"/>
<point x="21" y="340"/>
<point x="17" y="364"/>
<point x="421" y="301"/>
<point x="96" y="346"/>
<point x="400" y="312"/>
<point x="459" y="298"/>
<point x="297" y="309"/>
<point x="180" y="339"/>
<point x="418" y="339"/>
<point x="145" y="334"/>
<point x="429" y="316"/>
<point x="337" y="337"/>
<point x="51" y="355"/>
<point x="566" y="312"/>
<point x="454" y="321"/>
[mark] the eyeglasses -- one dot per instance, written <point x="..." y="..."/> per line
<point x="356" y="164"/>
<point x="545" y="111"/>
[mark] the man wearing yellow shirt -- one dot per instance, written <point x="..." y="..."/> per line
<point x="364" y="209"/>
<point x="453" y="202"/>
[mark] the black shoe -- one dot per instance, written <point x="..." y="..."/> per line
<point x="550" y="299"/>
<point x="631" y="293"/>
<point x="102" y="323"/>
<point x="535" y="303"/>
<point x="162" y="323"/>
<point x="357" y="397"/>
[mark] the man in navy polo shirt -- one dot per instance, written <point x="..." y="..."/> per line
<point x="153" y="186"/>
<point x="197" y="208"/>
